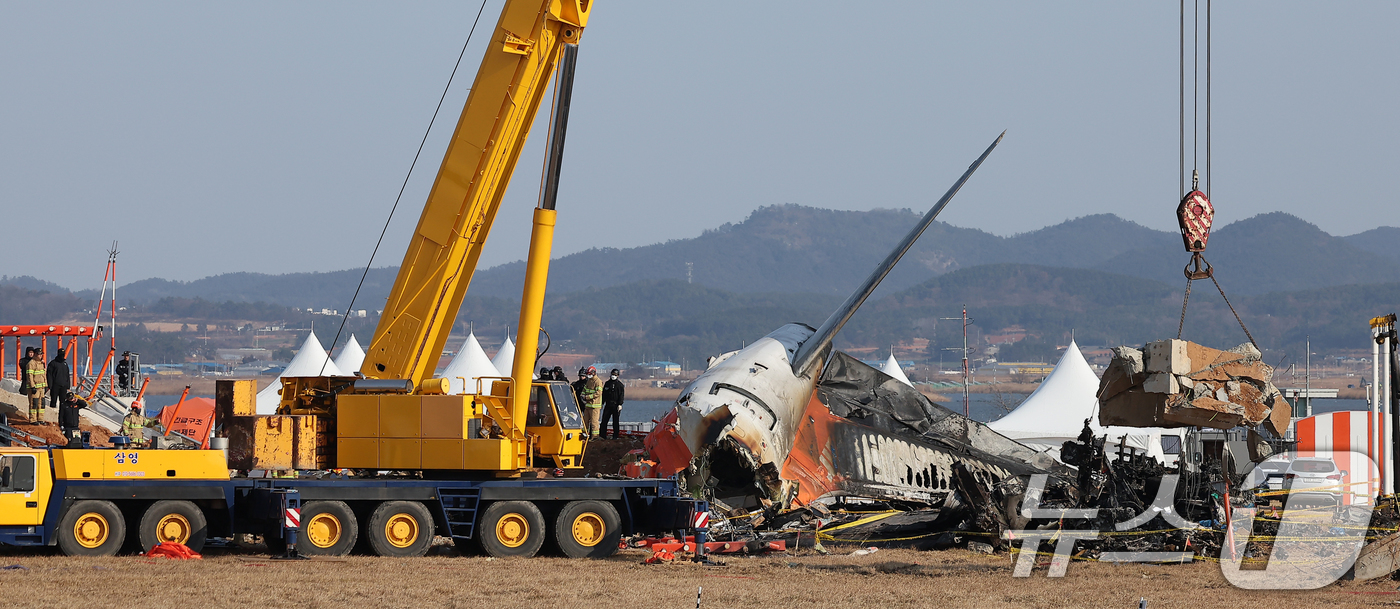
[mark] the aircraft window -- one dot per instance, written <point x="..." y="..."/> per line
<point x="569" y="417"/>
<point x="541" y="411"/>
<point x="17" y="474"/>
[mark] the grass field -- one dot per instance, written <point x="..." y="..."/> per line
<point x="886" y="579"/>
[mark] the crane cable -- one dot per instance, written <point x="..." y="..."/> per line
<point x="1202" y="269"/>
<point x="345" y="318"/>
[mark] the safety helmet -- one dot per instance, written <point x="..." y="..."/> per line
<point x="583" y="372"/>
<point x="592" y="370"/>
<point x="616" y="371"/>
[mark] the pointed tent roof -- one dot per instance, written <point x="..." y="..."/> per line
<point x="1061" y="403"/>
<point x="310" y="360"/>
<point x="1056" y="411"/>
<point x="470" y="363"/>
<point x="351" y="356"/>
<point x="505" y="358"/>
<point x="891" y="367"/>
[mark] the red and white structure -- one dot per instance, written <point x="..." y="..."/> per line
<point x="1349" y="438"/>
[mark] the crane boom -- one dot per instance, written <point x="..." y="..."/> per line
<point x="442" y="255"/>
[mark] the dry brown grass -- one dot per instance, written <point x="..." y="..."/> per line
<point x="886" y="579"/>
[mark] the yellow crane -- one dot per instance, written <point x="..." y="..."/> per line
<point x="399" y="416"/>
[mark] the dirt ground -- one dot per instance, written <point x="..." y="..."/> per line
<point x="886" y="579"/>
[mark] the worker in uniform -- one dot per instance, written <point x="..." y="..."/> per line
<point x="124" y="370"/>
<point x="612" y="404"/>
<point x="134" y="425"/>
<point x="578" y="387"/>
<point x="559" y="374"/>
<point x="592" y="402"/>
<point x="68" y="419"/>
<point x="36" y="380"/>
<point x="59" y="379"/>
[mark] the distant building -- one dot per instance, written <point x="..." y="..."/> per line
<point x="1031" y="368"/>
<point x="663" y="367"/>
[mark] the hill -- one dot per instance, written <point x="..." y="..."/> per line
<point x="1384" y="241"/>
<point x="1266" y="253"/>
<point x="796" y="249"/>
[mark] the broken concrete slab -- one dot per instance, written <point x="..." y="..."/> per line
<point x="1161" y="382"/>
<point x="1378" y="559"/>
<point x="1219" y="388"/>
<point x="1168" y="356"/>
<point x="1132" y="408"/>
<point x="1204" y="412"/>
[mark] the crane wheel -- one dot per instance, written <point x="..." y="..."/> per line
<point x="328" y="528"/>
<point x="173" y="522"/>
<point x="587" y="529"/>
<point x="400" y="528"/>
<point x="511" y="528"/>
<point x="91" y="528"/>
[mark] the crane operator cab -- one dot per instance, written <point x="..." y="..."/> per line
<point x="555" y="421"/>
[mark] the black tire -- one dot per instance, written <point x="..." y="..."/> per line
<point x="173" y="521"/>
<point x="91" y="528"/>
<point x="511" y="528"/>
<point x="587" y="529"/>
<point x="328" y="528"/>
<point x="400" y="528"/>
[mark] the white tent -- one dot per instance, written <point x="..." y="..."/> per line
<point x="469" y="364"/>
<point x="311" y="360"/>
<point x="351" y="356"/>
<point x="1055" y="413"/>
<point x="891" y="367"/>
<point x="505" y="358"/>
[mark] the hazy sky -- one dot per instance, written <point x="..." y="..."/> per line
<point x="273" y="137"/>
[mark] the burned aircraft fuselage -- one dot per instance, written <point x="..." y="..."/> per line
<point x="750" y="432"/>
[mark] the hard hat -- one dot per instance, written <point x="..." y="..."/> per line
<point x="592" y="370"/>
<point x="616" y="371"/>
<point x="583" y="372"/>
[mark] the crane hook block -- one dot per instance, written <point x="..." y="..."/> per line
<point x="1194" y="215"/>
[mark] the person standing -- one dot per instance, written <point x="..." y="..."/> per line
<point x="123" y="370"/>
<point x="612" y="404"/>
<point x="68" y="419"/>
<point x="37" y="380"/>
<point x="134" y="425"/>
<point x="592" y="395"/>
<point x="578" y="387"/>
<point x="59" y="380"/>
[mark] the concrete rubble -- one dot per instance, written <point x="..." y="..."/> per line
<point x="1176" y="383"/>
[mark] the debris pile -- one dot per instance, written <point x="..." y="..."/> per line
<point x="1176" y="383"/>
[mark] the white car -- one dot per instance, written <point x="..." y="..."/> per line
<point x="1314" y="478"/>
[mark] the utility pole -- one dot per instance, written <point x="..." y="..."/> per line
<point x="1307" y="371"/>
<point x="967" y="411"/>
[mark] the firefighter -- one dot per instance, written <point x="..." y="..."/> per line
<point x="59" y="379"/>
<point x="134" y="425"/>
<point x="68" y="419"/>
<point x="612" y="403"/>
<point x="592" y="402"/>
<point x="34" y="382"/>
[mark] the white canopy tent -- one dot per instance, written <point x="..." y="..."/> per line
<point x="1055" y="413"/>
<point x="891" y="367"/>
<point x="470" y="364"/>
<point x="505" y="358"/>
<point x="310" y="360"/>
<point x="351" y="356"/>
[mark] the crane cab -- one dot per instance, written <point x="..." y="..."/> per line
<point x="555" y="421"/>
